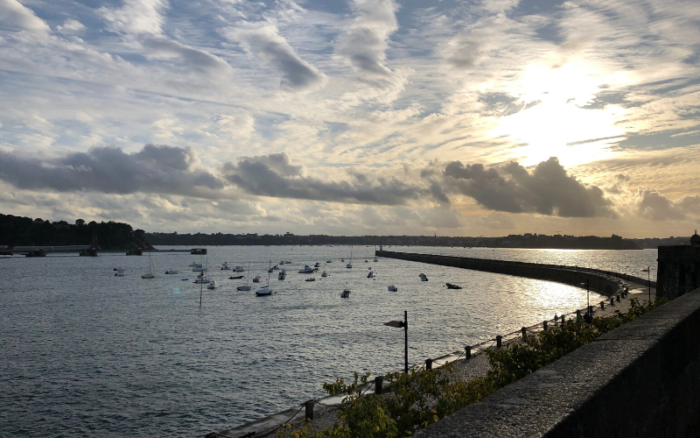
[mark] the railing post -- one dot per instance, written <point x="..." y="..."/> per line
<point x="468" y="352"/>
<point x="544" y="325"/>
<point x="429" y="364"/>
<point x="309" y="410"/>
<point x="524" y="332"/>
<point x="602" y="305"/>
<point x="378" y="382"/>
<point x="499" y="340"/>
<point x="578" y="315"/>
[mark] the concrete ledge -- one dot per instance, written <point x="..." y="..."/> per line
<point x="639" y="380"/>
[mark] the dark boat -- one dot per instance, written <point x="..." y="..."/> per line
<point x="237" y="277"/>
<point x="453" y="286"/>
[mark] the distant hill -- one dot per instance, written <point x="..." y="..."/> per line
<point x="24" y="231"/>
<point x="512" y="241"/>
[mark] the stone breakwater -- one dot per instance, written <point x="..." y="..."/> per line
<point x="603" y="282"/>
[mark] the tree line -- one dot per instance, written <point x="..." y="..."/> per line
<point x="25" y="231"/>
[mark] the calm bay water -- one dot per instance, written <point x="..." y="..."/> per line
<point x="84" y="352"/>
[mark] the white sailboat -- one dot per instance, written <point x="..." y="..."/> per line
<point x="265" y="290"/>
<point x="150" y="273"/>
<point x="349" y="265"/>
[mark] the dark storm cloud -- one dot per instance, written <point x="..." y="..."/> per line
<point x="155" y="169"/>
<point x="512" y="188"/>
<point x="274" y="176"/>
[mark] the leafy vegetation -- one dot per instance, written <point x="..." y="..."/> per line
<point x="24" y="231"/>
<point x="420" y="398"/>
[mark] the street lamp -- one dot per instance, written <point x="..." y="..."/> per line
<point x="588" y="316"/>
<point x="404" y="324"/>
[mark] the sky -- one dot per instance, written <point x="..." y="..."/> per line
<point x="404" y="117"/>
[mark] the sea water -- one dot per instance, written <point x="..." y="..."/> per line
<point x="86" y="353"/>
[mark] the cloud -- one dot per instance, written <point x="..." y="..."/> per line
<point x="263" y="41"/>
<point x="512" y="188"/>
<point x="136" y="17"/>
<point x="70" y="26"/>
<point x="14" y="15"/>
<point x="154" y="169"/>
<point x="274" y="176"/>
<point x="653" y="205"/>
<point x="164" y="48"/>
<point x="365" y="42"/>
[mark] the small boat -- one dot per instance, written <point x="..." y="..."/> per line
<point x="213" y="285"/>
<point x="237" y="277"/>
<point x="263" y="292"/>
<point x="275" y="268"/>
<point x="393" y="288"/>
<point x="185" y="279"/>
<point x="199" y="268"/>
<point x="245" y="287"/>
<point x="342" y="260"/>
<point x="149" y="275"/>
<point x="269" y="270"/>
<point x="366" y="261"/>
<point x="307" y="270"/>
<point x="311" y="279"/>
<point x="453" y="286"/>
<point x="371" y="274"/>
<point x="376" y="259"/>
<point x="201" y="279"/>
<point x="225" y="267"/>
<point x="256" y="279"/>
<point x="345" y="293"/>
<point x="423" y="277"/>
<point x="329" y="261"/>
<point x="239" y="269"/>
<point x="172" y="271"/>
<point x="121" y="272"/>
<point x="325" y="274"/>
<point x="194" y="264"/>
<point x="282" y="274"/>
<point x="317" y="265"/>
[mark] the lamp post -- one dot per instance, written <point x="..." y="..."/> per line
<point x="588" y="316"/>
<point x="404" y="324"/>
<point x="649" y="280"/>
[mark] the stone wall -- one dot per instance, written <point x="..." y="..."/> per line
<point x="639" y="380"/>
<point x="678" y="270"/>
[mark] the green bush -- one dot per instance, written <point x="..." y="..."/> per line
<point x="415" y="400"/>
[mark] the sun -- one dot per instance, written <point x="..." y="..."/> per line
<point x="556" y="124"/>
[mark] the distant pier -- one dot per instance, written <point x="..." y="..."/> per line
<point x="604" y="282"/>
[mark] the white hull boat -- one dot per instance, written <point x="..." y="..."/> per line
<point x="213" y="285"/>
<point x="244" y="288"/>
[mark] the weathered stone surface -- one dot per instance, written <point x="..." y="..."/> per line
<point x="679" y="270"/>
<point x="640" y="380"/>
